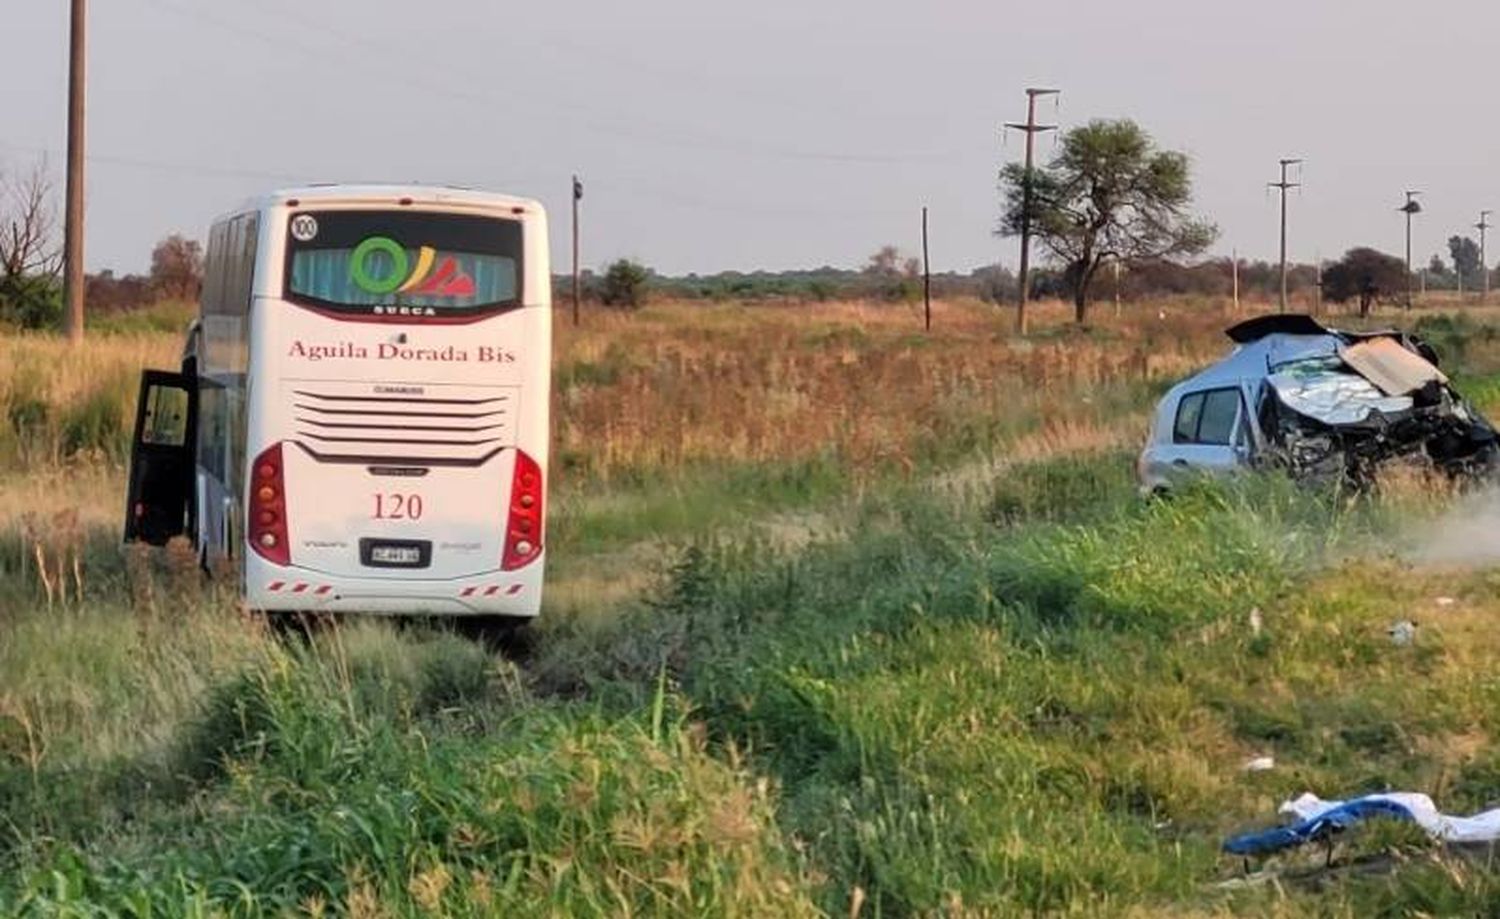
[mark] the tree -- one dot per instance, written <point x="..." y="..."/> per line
<point x="1465" y="252"/>
<point x="30" y="256"/>
<point x="1364" y="273"/>
<point x="177" y="267"/>
<point x="1108" y="193"/>
<point x="995" y="283"/>
<point x="625" y="284"/>
<point x="1437" y="270"/>
<point x="893" y="277"/>
<point x="883" y="263"/>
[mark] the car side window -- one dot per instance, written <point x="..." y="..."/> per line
<point x="1207" y="417"/>
<point x="1189" y="410"/>
<point x="1220" y="409"/>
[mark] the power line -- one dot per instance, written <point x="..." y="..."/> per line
<point x="168" y="166"/>
<point x="687" y="137"/>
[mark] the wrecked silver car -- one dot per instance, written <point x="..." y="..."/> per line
<point x="1320" y="403"/>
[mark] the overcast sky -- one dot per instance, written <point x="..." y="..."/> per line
<point x="770" y="134"/>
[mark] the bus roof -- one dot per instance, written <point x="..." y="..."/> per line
<point x="325" y="195"/>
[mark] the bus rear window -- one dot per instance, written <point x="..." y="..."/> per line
<point x="403" y="263"/>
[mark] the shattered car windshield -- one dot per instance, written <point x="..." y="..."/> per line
<point x="1325" y="389"/>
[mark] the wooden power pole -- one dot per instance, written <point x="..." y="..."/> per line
<point x="1234" y="274"/>
<point x="1284" y="185"/>
<point x="1031" y="129"/>
<point x="926" y="277"/>
<point x="73" y="226"/>
<point x="1484" y="266"/>
<point x="577" y="196"/>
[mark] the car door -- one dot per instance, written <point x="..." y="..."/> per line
<point x="161" y="483"/>
<point x="1209" y="432"/>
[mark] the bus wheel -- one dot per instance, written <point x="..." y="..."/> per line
<point x="295" y="625"/>
<point x="507" y="635"/>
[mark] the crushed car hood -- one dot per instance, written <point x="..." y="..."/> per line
<point x="1346" y="402"/>
<point x="1323" y="391"/>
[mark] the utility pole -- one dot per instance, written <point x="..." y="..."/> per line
<point x="1318" y="284"/>
<point x="577" y="196"/>
<point x="1410" y="207"/>
<point x="1115" y="264"/>
<point x="1284" y="185"/>
<point x="926" y="276"/>
<point x="1484" y="266"/>
<point x="1032" y="129"/>
<point x="1234" y="273"/>
<point x="73" y="222"/>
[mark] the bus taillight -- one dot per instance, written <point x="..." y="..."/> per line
<point x="267" y="516"/>
<point x="523" y="525"/>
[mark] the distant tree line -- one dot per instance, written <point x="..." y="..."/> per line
<point x="890" y="277"/>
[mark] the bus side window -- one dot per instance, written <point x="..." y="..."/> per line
<point x="213" y="420"/>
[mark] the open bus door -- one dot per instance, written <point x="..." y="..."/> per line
<point x="163" y="453"/>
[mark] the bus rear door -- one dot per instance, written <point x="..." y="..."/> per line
<point x="162" y="458"/>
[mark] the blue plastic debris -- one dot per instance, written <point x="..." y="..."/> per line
<point x="1318" y="819"/>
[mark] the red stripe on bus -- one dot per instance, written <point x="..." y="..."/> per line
<point x="275" y="585"/>
<point x="514" y="589"/>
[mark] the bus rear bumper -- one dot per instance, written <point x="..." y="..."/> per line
<point x="273" y="588"/>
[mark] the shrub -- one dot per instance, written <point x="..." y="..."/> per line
<point x="96" y="423"/>
<point x="31" y="302"/>
<point x="625" y="284"/>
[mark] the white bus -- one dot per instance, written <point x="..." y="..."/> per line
<point x="361" y="419"/>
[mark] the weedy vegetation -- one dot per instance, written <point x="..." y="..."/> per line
<point x="843" y="620"/>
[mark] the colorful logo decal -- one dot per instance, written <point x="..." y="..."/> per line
<point x="448" y="280"/>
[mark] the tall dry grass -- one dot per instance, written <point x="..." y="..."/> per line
<point x="684" y="384"/>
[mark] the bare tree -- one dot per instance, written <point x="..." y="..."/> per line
<point x="28" y="226"/>
<point x="884" y="262"/>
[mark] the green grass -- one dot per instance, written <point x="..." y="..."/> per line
<point x="1030" y="693"/>
<point x="1043" y="710"/>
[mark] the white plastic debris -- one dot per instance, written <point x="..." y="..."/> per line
<point x="1444" y="601"/>
<point x="1403" y="632"/>
<point x="1256" y="620"/>
<point x="1482" y="827"/>
<point x="1260" y="764"/>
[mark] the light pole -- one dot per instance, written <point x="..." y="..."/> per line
<point x="1484" y="266"/>
<point x="1410" y="207"/>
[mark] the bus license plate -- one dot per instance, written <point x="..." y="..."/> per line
<point x="396" y="555"/>
<point x="382" y="553"/>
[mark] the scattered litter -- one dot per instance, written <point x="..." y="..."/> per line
<point x="1256" y="620"/>
<point x="1445" y="601"/>
<point x="1402" y="632"/>
<point x="1317" y="819"/>
<point x="1260" y="764"/>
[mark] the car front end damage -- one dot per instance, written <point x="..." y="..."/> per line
<point x="1378" y="398"/>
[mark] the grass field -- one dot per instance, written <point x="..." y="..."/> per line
<point x="842" y="619"/>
